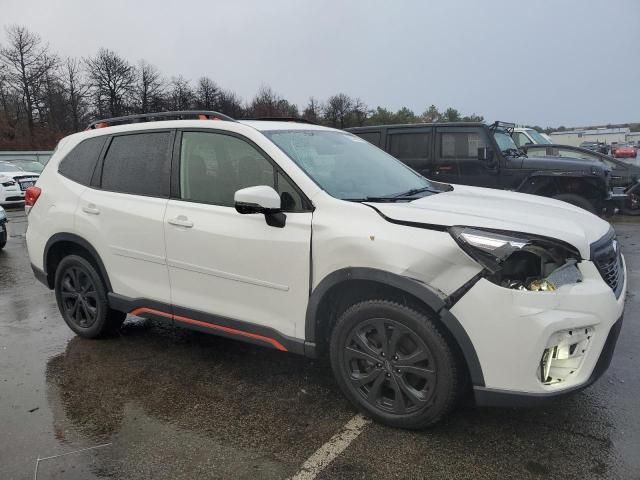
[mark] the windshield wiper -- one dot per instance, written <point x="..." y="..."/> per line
<point x="396" y="197"/>
<point x="380" y="199"/>
<point x="414" y="191"/>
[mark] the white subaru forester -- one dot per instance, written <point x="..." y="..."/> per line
<point x="310" y="240"/>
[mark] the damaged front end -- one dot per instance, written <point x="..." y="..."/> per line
<point x="520" y="261"/>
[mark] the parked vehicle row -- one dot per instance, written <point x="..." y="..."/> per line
<point x="411" y="287"/>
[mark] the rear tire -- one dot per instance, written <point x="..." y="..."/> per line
<point x="394" y="365"/>
<point x="82" y="299"/>
<point x="577" y="201"/>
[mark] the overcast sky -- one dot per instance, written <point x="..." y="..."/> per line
<point x="548" y="63"/>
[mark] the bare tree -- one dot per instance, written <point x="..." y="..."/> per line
<point x="358" y="114"/>
<point x="207" y="94"/>
<point x="180" y="94"/>
<point x="27" y="61"/>
<point x="268" y="103"/>
<point x="77" y="91"/>
<point x="313" y="111"/>
<point x="230" y="104"/>
<point x="112" y="81"/>
<point x="338" y="109"/>
<point x="149" y="88"/>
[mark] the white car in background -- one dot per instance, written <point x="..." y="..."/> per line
<point x="526" y="136"/>
<point x="13" y="182"/>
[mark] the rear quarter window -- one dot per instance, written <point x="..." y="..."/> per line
<point x="79" y="163"/>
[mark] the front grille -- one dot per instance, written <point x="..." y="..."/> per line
<point x="607" y="258"/>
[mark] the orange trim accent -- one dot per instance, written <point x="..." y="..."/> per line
<point x="277" y="345"/>
<point x="140" y="310"/>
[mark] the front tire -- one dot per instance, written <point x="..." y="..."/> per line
<point x="82" y="299"/>
<point x="394" y="365"/>
<point x="576" y="200"/>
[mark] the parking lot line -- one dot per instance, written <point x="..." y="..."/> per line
<point x="322" y="457"/>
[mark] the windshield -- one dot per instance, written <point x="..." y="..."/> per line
<point x="28" y="165"/>
<point x="537" y="138"/>
<point x="504" y="141"/>
<point x="347" y="167"/>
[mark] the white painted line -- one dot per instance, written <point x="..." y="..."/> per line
<point x="38" y="460"/>
<point x="328" y="452"/>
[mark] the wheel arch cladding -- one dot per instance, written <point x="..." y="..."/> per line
<point x="331" y="297"/>
<point x="63" y="244"/>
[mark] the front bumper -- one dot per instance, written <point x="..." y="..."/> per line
<point x="11" y="195"/>
<point x="488" y="397"/>
<point x="510" y="329"/>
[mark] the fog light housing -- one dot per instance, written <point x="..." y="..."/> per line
<point x="564" y="354"/>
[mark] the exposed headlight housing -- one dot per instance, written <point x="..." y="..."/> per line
<point x="519" y="260"/>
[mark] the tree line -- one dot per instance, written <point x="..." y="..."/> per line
<point x="44" y="96"/>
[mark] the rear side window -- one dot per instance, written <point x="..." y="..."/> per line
<point x="138" y="164"/>
<point x="371" y="137"/>
<point x="409" y="145"/>
<point x="80" y="162"/>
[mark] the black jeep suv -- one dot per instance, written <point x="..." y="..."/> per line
<point x="486" y="156"/>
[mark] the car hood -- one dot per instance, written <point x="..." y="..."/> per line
<point x="565" y="163"/>
<point x="502" y="210"/>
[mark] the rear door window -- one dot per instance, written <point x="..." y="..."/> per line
<point x="371" y="137"/>
<point x="138" y="164"/>
<point x="413" y="148"/>
<point x="80" y="162"/>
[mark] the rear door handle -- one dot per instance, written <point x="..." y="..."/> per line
<point x="181" y="221"/>
<point x="91" y="209"/>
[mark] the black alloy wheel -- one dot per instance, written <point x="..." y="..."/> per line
<point x="79" y="297"/>
<point x="82" y="299"/>
<point x="390" y="366"/>
<point x="394" y="364"/>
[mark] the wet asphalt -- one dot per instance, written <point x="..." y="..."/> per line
<point x="160" y="402"/>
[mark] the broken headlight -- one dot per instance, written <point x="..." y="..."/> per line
<point x="519" y="260"/>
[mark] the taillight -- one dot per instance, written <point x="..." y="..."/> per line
<point x="31" y="196"/>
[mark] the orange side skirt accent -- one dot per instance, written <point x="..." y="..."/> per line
<point x="277" y="345"/>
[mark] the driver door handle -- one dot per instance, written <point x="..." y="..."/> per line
<point x="181" y="221"/>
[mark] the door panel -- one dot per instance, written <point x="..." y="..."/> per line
<point x="225" y="263"/>
<point x="237" y="266"/>
<point x="128" y="233"/>
<point x="122" y="215"/>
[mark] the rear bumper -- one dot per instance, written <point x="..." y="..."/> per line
<point x="488" y="397"/>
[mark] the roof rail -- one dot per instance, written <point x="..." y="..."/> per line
<point x="152" y="117"/>
<point x="283" y="119"/>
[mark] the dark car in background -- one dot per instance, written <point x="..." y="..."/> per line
<point x="600" y="147"/>
<point x="624" y="175"/>
<point x="473" y="153"/>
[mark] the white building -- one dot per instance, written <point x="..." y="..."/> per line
<point x="604" y="135"/>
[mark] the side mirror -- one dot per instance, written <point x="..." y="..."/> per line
<point x="485" y="154"/>
<point x="261" y="199"/>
